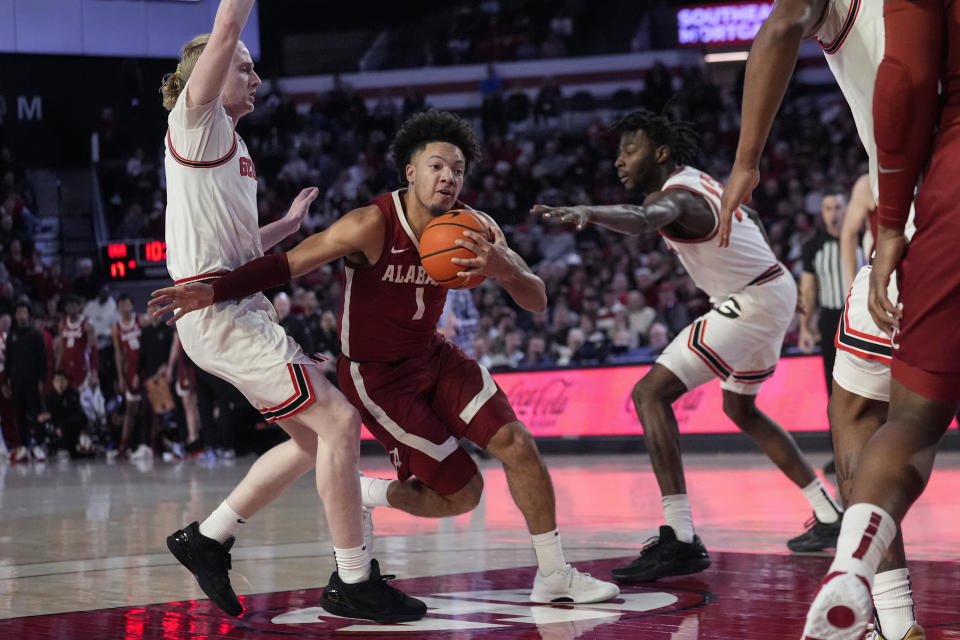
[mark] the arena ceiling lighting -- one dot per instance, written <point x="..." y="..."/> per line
<point x="727" y="56"/>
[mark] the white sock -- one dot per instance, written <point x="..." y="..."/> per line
<point x="866" y="533"/>
<point x="374" y="491"/>
<point x="353" y="565"/>
<point x="676" y="512"/>
<point x="824" y="506"/>
<point x="893" y="600"/>
<point x="223" y="523"/>
<point x="549" y="552"/>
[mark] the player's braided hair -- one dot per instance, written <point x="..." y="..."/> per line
<point x="678" y="135"/>
<point x="433" y="126"/>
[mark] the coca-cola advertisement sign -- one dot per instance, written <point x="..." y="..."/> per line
<point x="573" y="403"/>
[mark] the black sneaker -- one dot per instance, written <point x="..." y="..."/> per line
<point x="208" y="561"/>
<point x="373" y="599"/>
<point x="663" y="556"/>
<point x="817" y="537"/>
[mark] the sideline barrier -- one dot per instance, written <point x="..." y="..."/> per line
<point x="574" y="403"/>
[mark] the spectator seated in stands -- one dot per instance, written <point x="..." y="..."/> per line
<point x="63" y="418"/>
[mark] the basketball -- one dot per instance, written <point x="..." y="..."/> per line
<point x="438" y="247"/>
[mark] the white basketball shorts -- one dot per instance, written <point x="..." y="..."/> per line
<point x="863" y="350"/>
<point x="241" y="342"/>
<point x="738" y="341"/>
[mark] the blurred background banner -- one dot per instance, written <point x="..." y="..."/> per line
<point x="575" y="403"/>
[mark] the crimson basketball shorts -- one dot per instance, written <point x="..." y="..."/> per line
<point x="132" y="380"/>
<point x="863" y="350"/>
<point x="420" y="407"/>
<point x="737" y="341"/>
<point x="926" y="355"/>
<point x="76" y="372"/>
<point x="186" y="376"/>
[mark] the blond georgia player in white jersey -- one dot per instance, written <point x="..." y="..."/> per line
<point x="851" y="33"/>
<point x="212" y="228"/>
<point x="738" y="341"/>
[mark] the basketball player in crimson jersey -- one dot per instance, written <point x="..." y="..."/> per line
<point x="738" y="341"/>
<point x="75" y="348"/>
<point x="126" y="349"/>
<point x="916" y="131"/>
<point x="417" y="393"/>
<point x="851" y="33"/>
<point x="211" y="228"/>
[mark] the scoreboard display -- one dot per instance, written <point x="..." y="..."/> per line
<point x="135" y="260"/>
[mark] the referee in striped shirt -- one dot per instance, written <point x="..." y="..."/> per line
<point x="821" y="283"/>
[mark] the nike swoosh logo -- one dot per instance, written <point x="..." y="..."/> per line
<point x="395" y="250"/>
<point x="882" y="170"/>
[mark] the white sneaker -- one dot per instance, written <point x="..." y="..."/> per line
<point x="569" y="585"/>
<point x="38" y="453"/>
<point x="841" y="610"/>
<point x="367" y="519"/>
<point x="22" y="454"/>
<point x="142" y="452"/>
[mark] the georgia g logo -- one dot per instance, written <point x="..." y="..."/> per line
<point x="729" y="308"/>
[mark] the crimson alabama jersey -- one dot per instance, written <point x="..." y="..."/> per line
<point x="390" y="309"/>
<point x="130" y="344"/>
<point x="74" y="350"/>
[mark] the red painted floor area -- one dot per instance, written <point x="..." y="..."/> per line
<point x="756" y="596"/>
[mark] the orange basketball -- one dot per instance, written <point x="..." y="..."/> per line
<point x="438" y="246"/>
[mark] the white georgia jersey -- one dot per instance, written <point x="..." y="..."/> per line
<point x="852" y="38"/>
<point x="851" y="35"/>
<point x="211" y="222"/>
<point x="720" y="272"/>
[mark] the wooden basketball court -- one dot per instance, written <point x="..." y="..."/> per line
<point x="83" y="555"/>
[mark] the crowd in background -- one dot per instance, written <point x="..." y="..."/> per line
<point x="612" y="298"/>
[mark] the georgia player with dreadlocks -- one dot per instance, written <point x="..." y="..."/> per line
<point x="738" y="341"/>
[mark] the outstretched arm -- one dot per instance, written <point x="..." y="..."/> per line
<point x="360" y="231"/>
<point x="661" y="208"/>
<point x="628" y="219"/>
<point x="769" y="67"/>
<point x="210" y="72"/>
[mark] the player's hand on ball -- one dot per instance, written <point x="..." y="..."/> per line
<point x="578" y="216"/>
<point x="180" y="300"/>
<point x="492" y="257"/>
<point x="300" y="206"/>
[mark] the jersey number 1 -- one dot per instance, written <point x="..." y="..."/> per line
<point x="418" y="315"/>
